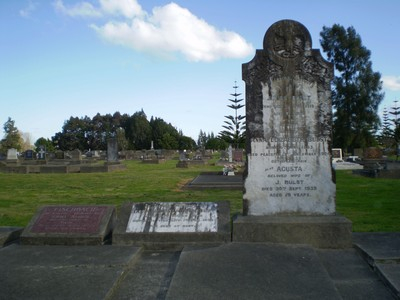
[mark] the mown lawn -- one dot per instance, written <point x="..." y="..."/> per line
<point x="371" y="204"/>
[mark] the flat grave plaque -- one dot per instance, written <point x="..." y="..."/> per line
<point x="70" y="224"/>
<point x="173" y="217"/>
<point x="69" y="219"/>
<point x="172" y="223"/>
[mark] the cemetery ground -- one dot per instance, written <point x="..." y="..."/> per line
<point x="373" y="205"/>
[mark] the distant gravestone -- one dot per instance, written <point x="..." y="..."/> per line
<point x="29" y="154"/>
<point x="288" y="141"/>
<point x="112" y="150"/>
<point x="42" y="153"/>
<point x="69" y="225"/>
<point x="224" y="155"/>
<point x="59" y="154"/>
<point x="172" y="222"/>
<point x="12" y="154"/>
<point x="230" y="155"/>
<point x="237" y="155"/>
<point x="182" y="156"/>
<point x="372" y="153"/>
<point x="182" y="163"/>
<point x="76" y="154"/>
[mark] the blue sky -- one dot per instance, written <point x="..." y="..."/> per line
<point x="175" y="60"/>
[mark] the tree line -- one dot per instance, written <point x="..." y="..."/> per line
<point x="133" y="132"/>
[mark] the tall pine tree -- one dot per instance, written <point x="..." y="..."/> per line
<point x="356" y="91"/>
<point x="234" y="132"/>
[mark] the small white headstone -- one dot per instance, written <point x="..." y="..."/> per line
<point x="230" y="153"/>
<point x="12" y="154"/>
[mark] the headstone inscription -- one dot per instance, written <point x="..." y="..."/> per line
<point x="172" y="223"/>
<point x="70" y="225"/>
<point x="288" y="115"/>
<point x="173" y="217"/>
<point x="289" y="189"/>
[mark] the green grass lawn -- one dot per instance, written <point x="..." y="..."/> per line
<point x="371" y="204"/>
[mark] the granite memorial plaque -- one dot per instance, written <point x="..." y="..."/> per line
<point x="173" y="217"/>
<point x="288" y="116"/>
<point x="173" y="223"/>
<point x="70" y="225"/>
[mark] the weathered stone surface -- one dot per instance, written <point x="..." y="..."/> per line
<point x="112" y="150"/>
<point x="318" y="231"/>
<point x="172" y="223"/>
<point x="62" y="272"/>
<point x="173" y="217"/>
<point x="251" y="271"/>
<point x="70" y="225"/>
<point x="9" y="235"/>
<point x="288" y="117"/>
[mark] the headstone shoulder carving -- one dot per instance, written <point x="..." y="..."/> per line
<point x="288" y="119"/>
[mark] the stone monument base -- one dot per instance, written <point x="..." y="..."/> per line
<point x="318" y="231"/>
<point x="182" y="164"/>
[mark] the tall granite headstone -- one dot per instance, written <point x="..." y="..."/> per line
<point x="112" y="150"/>
<point x="288" y="119"/>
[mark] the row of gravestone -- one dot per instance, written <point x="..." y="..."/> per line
<point x="137" y="224"/>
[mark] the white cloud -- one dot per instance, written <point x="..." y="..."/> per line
<point x="127" y="8"/>
<point x="82" y="9"/>
<point x="28" y="10"/>
<point x="169" y="29"/>
<point x="172" y="28"/>
<point x="391" y="83"/>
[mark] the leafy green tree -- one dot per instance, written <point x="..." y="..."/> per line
<point x="77" y="133"/>
<point x="164" y="135"/>
<point x="356" y="91"/>
<point x="216" y="143"/>
<point x="12" y="137"/>
<point x="234" y="132"/>
<point x="186" y="143"/>
<point x="121" y="139"/>
<point x="138" y="131"/>
<point x="47" y="143"/>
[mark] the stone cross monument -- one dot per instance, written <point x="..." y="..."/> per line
<point x="288" y="119"/>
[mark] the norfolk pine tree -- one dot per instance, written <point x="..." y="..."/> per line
<point x="234" y="132"/>
<point x="356" y="92"/>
